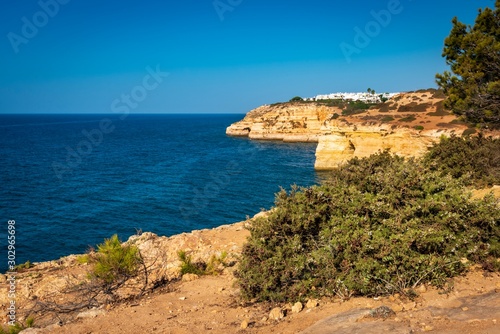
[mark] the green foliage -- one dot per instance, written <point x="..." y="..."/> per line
<point x="409" y="118"/>
<point x="296" y="99"/>
<point x="383" y="107"/>
<point x="418" y="127"/>
<point x="473" y="53"/>
<point x="469" y="131"/>
<point x="115" y="263"/>
<point x="379" y="225"/>
<point x="190" y="267"/>
<point x="440" y="111"/>
<point x="216" y="264"/>
<point x="15" y="329"/>
<point x="476" y="160"/>
<point x="213" y="267"/>
<point x="18" y="327"/>
<point x="387" y="119"/>
<point x="331" y="103"/>
<point x="356" y="107"/>
<point x="30" y="322"/>
<point x="25" y="265"/>
<point x="83" y="259"/>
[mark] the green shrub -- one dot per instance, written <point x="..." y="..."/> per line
<point x="379" y="225"/>
<point x="214" y="266"/>
<point x="446" y="125"/>
<point x="15" y="329"/>
<point x="440" y="111"/>
<point x="418" y="127"/>
<point x="387" y="119"/>
<point x="421" y="107"/>
<point x="408" y="107"/>
<point x="469" y="131"/>
<point x="393" y="107"/>
<point x="474" y="159"/>
<point x="356" y="107"/>
<point x="383" y="107"/>
<point x="190" y="267"/>
<point x="114" y="263"/>
<point x="410" y="118"/>
<point x="439" y="94"/>
<point x="83" y="259"/>
<point x="18" y="327"/>
<point x="25" y="265"/>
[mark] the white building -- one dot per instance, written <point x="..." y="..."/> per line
<point x="364" y="97"/>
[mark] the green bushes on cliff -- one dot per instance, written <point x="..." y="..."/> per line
<point x="356" y="107"/>
<point x="476" y="159"/>
<point x="379" y="225"/>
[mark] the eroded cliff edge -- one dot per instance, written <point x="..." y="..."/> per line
<point x="406" y="124"/>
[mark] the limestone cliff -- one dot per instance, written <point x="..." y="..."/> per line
<point x="294" y="122"/>
<point x="406" y="124"/>
<point x="338" y="147"/>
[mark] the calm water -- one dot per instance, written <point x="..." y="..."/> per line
<point x="69" y="181"/>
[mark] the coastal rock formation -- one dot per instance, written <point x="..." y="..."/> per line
<point x="407" y="125"/>
<point x="339" y="147"/>
<point x="294" y="122"/>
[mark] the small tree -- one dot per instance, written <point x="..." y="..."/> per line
<point x="473" y="54"/>
<point x="296" y="99"/>
<point x="115" y="264"/>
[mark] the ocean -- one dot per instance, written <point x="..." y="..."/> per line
<point x="69" y="181"/>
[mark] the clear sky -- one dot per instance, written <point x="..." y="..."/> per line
<point x="222" y="56"/>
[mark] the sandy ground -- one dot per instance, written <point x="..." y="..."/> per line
<point x="211" y="304"/>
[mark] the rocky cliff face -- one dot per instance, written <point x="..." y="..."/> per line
<point x="339" y="147"/>
<point x="407" y="124"/>
<point x="294" y="122"/>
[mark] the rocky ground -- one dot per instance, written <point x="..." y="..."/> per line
<point x="211" y="304"/>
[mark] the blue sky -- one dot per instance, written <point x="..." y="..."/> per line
<point x="222" y="56"/>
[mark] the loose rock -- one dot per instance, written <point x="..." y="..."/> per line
<point x="409" y="306"/>
<point x="422" y="289"/>
<point x="276" y="314"/>
<point x="312" y="303"/>
<point x="90" y="314"/>
<point x="189" y="277"/>
<point x="397" y="308"/>
<point x="297" y="307"/>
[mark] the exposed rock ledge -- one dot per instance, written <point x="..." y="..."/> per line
<point x="407" y="125"/>
<point x="338" y="147"/>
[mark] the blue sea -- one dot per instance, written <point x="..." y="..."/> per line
<point x="69" y="181"/>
